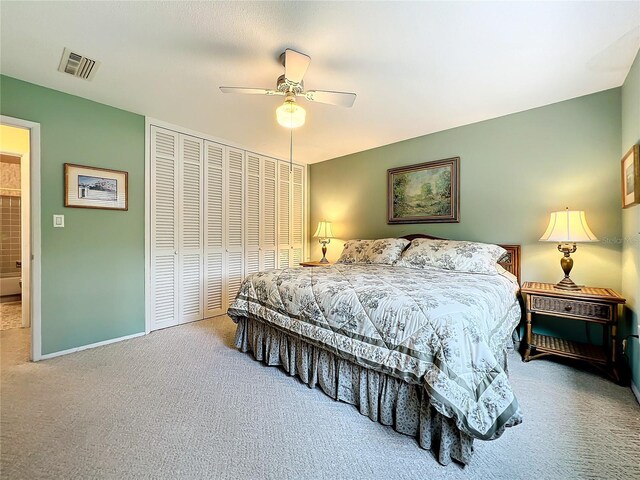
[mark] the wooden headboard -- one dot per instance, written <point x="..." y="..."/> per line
<point x="510" y="261"/>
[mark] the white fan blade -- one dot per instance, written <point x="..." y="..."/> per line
<point x="343" y="99"/>
<point x="250" y="91"/>
<point x="295" y="65"/>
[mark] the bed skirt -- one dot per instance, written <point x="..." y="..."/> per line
<point x="381" y="397"/>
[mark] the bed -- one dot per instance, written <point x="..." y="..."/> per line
<point x="421" y="350"/>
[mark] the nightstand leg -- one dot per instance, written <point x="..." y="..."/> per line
<point x="527" y="353"/>
<point x="613" y="356"/>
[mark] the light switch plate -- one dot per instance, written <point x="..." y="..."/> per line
<point x="58" y="221"/>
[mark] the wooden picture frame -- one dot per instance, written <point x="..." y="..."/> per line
<point x="93" y="187"/>
<point x="427" y="192"/>
<point x="630" y="172"/>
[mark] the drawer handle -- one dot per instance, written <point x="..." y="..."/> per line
<point x="567" y="308"/>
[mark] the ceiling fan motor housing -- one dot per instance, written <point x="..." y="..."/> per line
<point x="285" y="85"/>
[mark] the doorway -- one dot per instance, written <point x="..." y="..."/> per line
<point x="20" y="232"/>
<point x="14" y="245"/>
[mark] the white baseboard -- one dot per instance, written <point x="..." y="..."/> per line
<point x="635" y="391"/>
<point x="92" y="345"/>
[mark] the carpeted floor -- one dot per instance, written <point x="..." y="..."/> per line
<point x="182" y="403"/>
<point x="10" y="315"/>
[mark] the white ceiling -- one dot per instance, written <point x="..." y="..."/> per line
<point x="417" y="67"/>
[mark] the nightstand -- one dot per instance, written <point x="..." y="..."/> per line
<point x="590" y="304"/>
<point x="315" y="264"/>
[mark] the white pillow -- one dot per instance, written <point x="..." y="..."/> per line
<point x="459" y="256"/>
<point x="383" y="251"/>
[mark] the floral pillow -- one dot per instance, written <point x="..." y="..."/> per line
<point x="354" y="250"/>
<point x="453" y="255"/>
<point x="384" y="250"/>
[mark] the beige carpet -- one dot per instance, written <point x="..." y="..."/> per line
<point x="182" y="403"/>
<point x="10" y="315"/>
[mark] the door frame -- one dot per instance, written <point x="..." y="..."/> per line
<point x="34" y="289"/>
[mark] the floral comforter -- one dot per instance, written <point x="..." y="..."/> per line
<point x="445" y="330"/>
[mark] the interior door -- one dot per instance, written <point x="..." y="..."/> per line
<point x="269" y="214"/>
<point x="284" y="215"/>
<point x="297" y="215"/>
<point x="234" y="215"/>
<point x="190" y="232"/>
<point x="214" y="225"/>
<point x="252" y="214"/>
<point x="164" y="228"/>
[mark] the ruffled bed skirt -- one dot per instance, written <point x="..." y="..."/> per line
<point x="382" y="398"/>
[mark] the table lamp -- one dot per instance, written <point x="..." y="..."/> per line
<point x="566" y="228"/>
<point x="324" y="236"/>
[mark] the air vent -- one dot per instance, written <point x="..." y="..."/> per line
<point x="78" y="65"/>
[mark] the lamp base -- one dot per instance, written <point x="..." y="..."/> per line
<point x="324" y="252"/>
<point x="566" y="262"/>
<point x="567" y="284"/>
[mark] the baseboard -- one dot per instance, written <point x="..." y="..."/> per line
<point x="92" y="345"/>
<point x="635" y="391"/>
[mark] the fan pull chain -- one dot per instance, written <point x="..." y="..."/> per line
<point x="290" y="150"/>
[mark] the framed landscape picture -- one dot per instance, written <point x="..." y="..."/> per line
<point x="631" y="177"/>
<point x="91" y="187"/>
<point x="424" y="193"/>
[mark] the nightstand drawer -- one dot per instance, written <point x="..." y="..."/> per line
<point x="587" y="310"/>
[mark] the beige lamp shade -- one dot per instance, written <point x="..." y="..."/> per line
<point x="323" y="230"/>
<point x="568" y="226"/>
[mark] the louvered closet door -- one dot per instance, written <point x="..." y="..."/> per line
<point x="214" y="252"/>
<point x="234" y="213"/>
<point x="284" y="216"/>
<point x="252" y="214"/>
<point x="164" y="228"/>
<point x="190" y="251"/>
<point x="269" y="214"/>
<point x="297" y="215"/>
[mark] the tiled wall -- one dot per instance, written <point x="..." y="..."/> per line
<point x="10" y="236"/>
<point x="9" y="178"/>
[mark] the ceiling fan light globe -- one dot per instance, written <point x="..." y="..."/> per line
<point x="290" y="114"/>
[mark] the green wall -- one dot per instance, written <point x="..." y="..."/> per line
<point x="93" y="268"/>
<point x="515" y="170"/>
<point x="631" y="217"/>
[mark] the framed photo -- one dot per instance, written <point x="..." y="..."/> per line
<point x="91" y="187"/>
<point x="424" y="193"/>
<point x="631" y="177"/>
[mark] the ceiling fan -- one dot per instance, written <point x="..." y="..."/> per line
<point x="290" y="85"/>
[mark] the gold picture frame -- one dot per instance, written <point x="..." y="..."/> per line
<point x="630" y="172"/>
<point x="93" y="187"/>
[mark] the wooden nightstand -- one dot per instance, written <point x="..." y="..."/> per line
<point x="590" y="304"/>
<point x="315" y="264"/>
